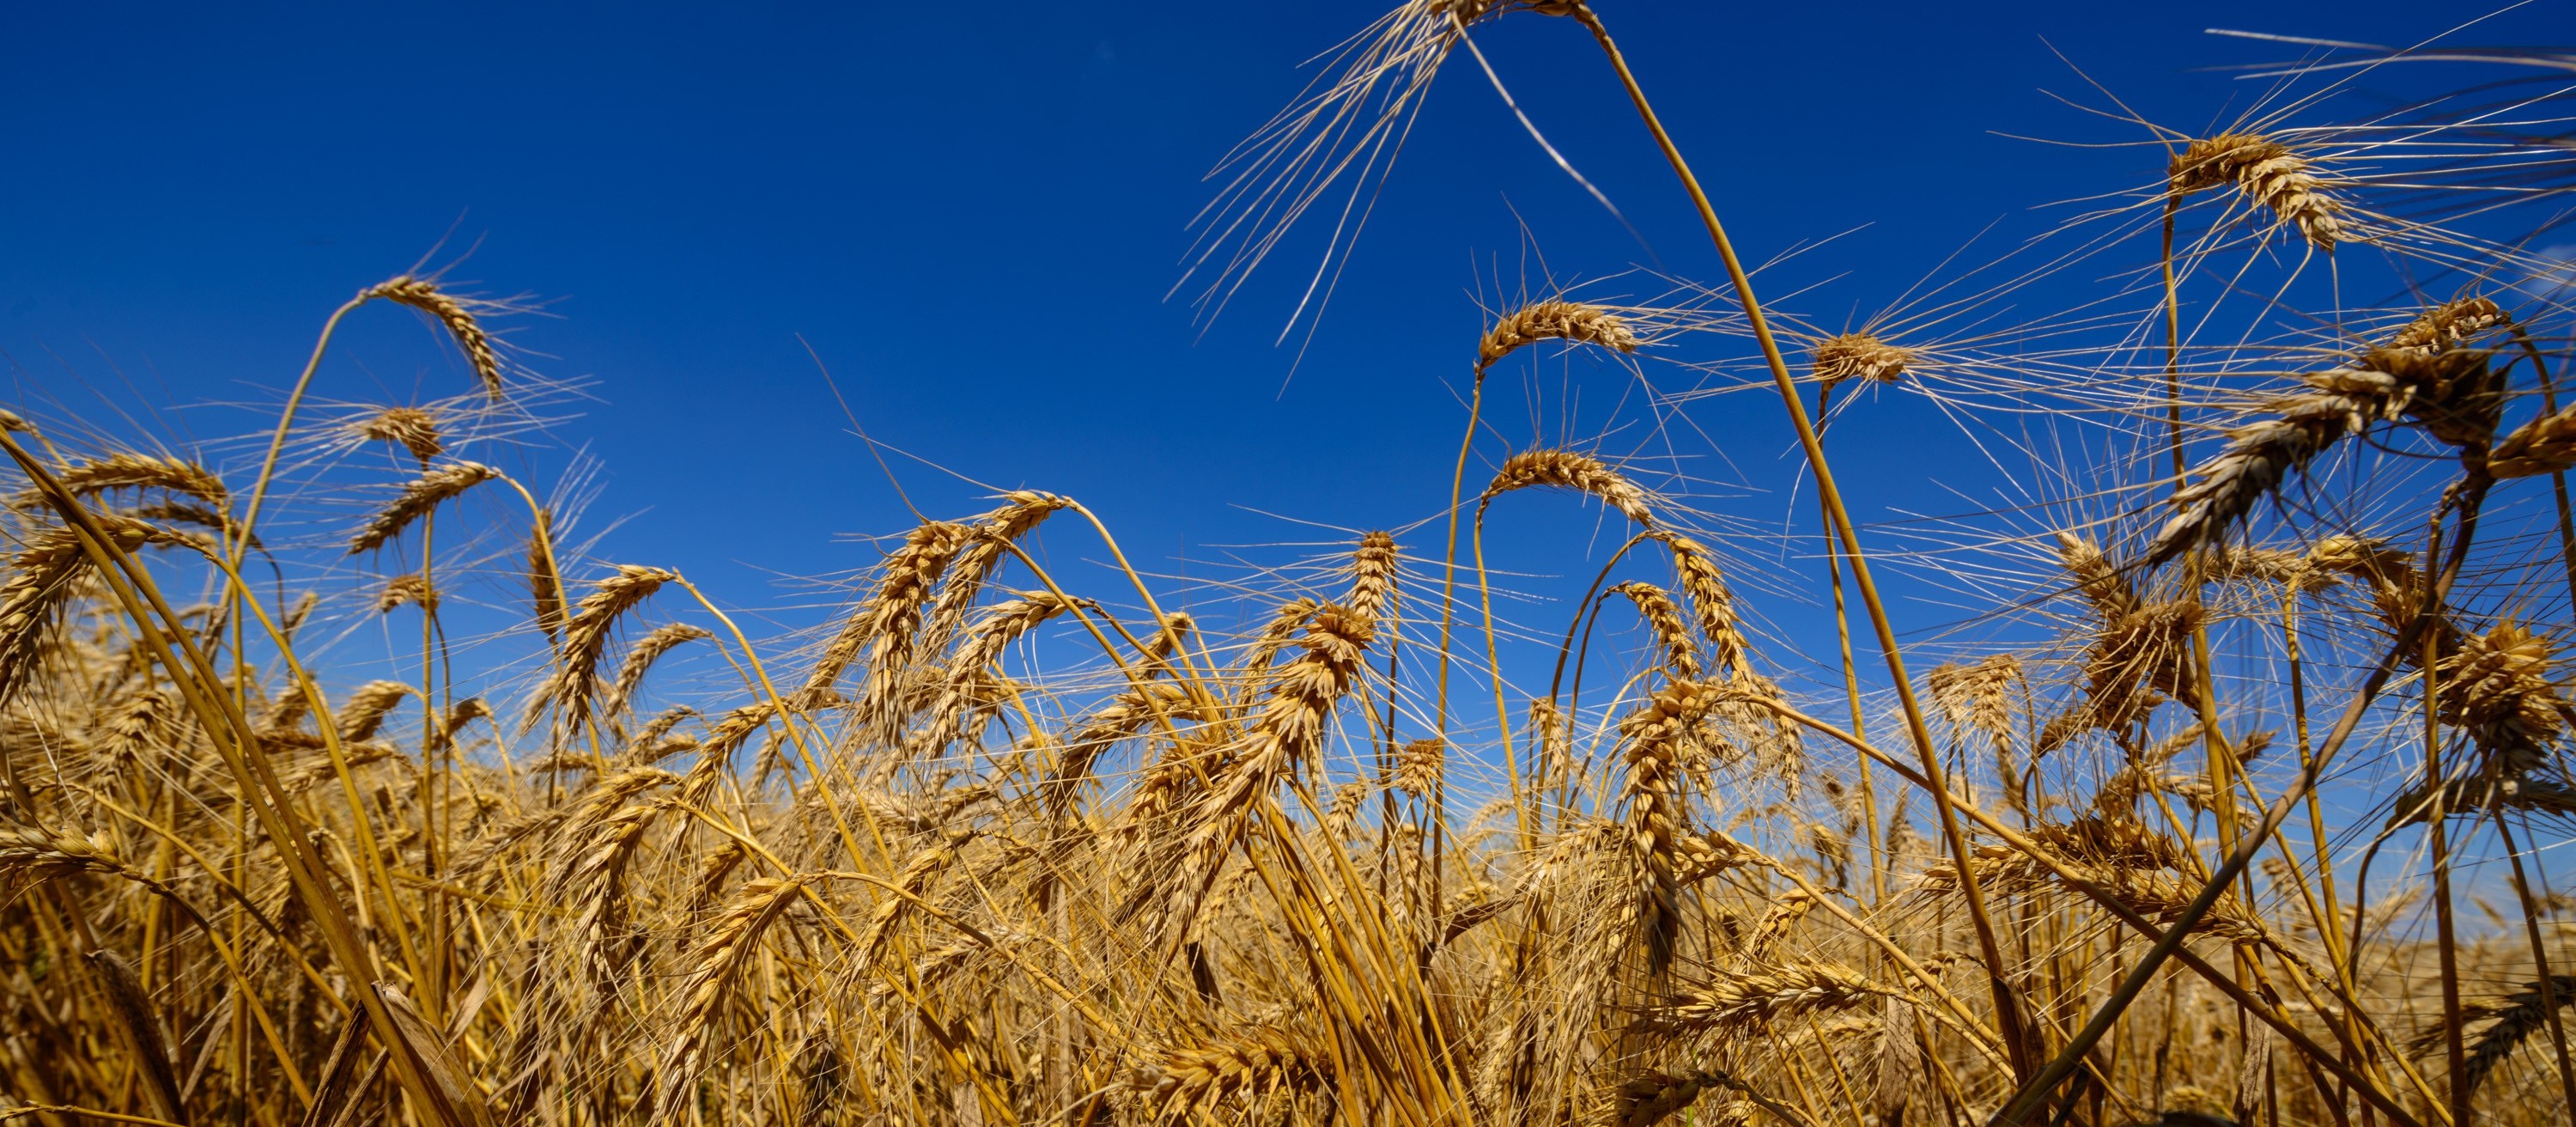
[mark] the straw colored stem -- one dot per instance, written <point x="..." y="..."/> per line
<point x="2007" y="1008"/>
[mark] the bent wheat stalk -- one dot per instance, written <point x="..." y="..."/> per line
<point x="2007" y="1008"/>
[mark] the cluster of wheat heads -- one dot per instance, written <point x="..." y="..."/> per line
<point x="2246" y="815"/>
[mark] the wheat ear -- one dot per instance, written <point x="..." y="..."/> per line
<point x="1858" y="356"/>
<point x="1566" y="469"/>
<point x="718" y="961"/>
<point x="409" y="427"/>
<point x="1553" y="319"/>
<point x="425" y="493"/>
<point x="2269" y="174"/>
<point x="456" y="315"/>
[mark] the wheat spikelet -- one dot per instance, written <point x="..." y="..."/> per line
<point x="132" y="1005"/>
<point x="915" y="879"/>
<point x="410" y="589"/>
<point x="2257" y="460"/>
<point x="2516" y="1017"/>
<point x="654" y="742"/>
<point x="640" y="658"/>
<point x="2269" y="174"/>
<point x="1664" y="617"/>
<point x="886" y="623"/>
<point x="135" y="722"/>
<point x="1289" y="618"/>
<point x="988" y="545"/>
<point x="425" y="493"/>
<point x="1373" y="565"/>
<point x="575" y="681"/>
<point x="1553" y="319"/>
<point x="1125" y="715"/>
<point x="2243" y="563"/>
<point x="45" y="574"/>
<point x="1784" y="913"/>
<point x="591" y="881"/>
<point x="2455" y="395"/>
<point x="731" y="939"/>
<point x="409" y="427"/>
<point x="968" y="689"/>
<point x="38" y="854"/>
<point x="1552" y="740"/>
<point x="1566" y="469"/>
<point x="2450" y="324"/>
<point x="1418" y="766"/>
<point x="1859" y="356"/>
<point x="133" y="471"/>
<point x="2543" y="445"/>
<point x="723" y="740"/>
<point x="366" y="707"/>
<point x="1742" y="1002"/>
<point x="1287" y="732"/>
<point x="1711" y="602"/>
<point x="709" y="881"/>
<point x="1657" y="739"/>
<point x="2498" y="687"/>
<point x="1653" y="1096"/>
<point x="455" y="314"/>
<point x="545" y="588"/>
<point x="1250" y="1067"/>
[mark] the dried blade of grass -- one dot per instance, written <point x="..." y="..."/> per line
<point x="132" y="1007"/>
<point x="335" y="1096"/>
<point x="429" y="1049"/>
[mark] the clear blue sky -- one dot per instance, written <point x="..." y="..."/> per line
<point x="973" y="212"/>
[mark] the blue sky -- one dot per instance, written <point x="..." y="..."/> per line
<point x="973" y="212"/>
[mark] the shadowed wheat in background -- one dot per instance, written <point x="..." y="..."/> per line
<point x="2231" y="794"/>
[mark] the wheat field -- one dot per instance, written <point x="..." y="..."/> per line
<point x="2228" y="792"/>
